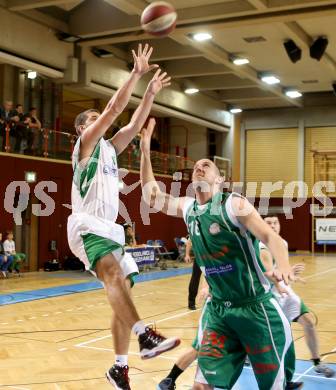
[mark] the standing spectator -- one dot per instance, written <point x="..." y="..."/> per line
<point x="155" y="143"/>
<point x="9" y="247"/>
<point x="22" y="122"/>
<point x="34" y="132"/>
<point x="6" y="115"/>
<point x="195" y="277"/>
<point x="5" y="261"/>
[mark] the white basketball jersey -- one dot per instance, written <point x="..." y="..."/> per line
<point x="95" y="186"/>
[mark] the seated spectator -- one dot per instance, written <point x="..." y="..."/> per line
<point x="9" y="248"/>
<point x="130" y="236"/>
<point x="34" y="134"/>
<point x="5" y="261"/>
<point x="6" y="115"/>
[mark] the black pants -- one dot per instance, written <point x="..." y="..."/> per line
<point x="194" y="283"/>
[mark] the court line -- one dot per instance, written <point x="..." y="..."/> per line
<point x="319" y="273"/>
<point x="129" y="352"/>
<point x="304" y="375"/>
<point x="310" y="368"/>
<point x="81" y="345"/>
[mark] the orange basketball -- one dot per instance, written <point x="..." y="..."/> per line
<point x="159" y="18"/>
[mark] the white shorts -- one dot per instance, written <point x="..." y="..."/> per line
<point x="199" y="377"/>
<point x="80" y="225"/>
<point x="291" y="304"/>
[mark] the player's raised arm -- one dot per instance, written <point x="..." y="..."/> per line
<point x="248" y="216"/>
<point x="151" y="192"/>
<point x="127" y="133"/>
<point x="118" y="102"/>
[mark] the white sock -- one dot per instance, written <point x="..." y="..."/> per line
<point x="139" y="328"/>
<point x="121" y="360"/>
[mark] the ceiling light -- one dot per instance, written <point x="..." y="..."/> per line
<point x="236" y="110"/>
<point x="240" y="61"/>
<point x="65" y="37"/>
<point x="31" y="74"/>
<point x="200" y="37"/>
<point x="101" y="53"/>
<point x="191" y="91"/>
<point x="270" y="79"/>
<point x="293" y="93"/>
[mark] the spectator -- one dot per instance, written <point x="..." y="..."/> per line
<point x="155" y="143"/>
<point x="195" y="277"/>
<point x="5" y="261"/>
<point x="6" y="115"/>
<point x="135" y="146"/>
<point x="130" y="236"/>
<point x="9" y="247"/>
<point x="22" y="123"/>
<point x="34" y="133"/>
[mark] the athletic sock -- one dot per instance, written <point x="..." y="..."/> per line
<point x="316" y="361"/>
<point x="139" y="328"/>
<point x="121" y="360"/>
<point x="175" y="373"/>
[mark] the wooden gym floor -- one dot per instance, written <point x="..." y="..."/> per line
<point x="64" y="343"/>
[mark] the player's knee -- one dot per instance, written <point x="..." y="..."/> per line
<point x="201" y="386"/>
<point x="111" y="274"/>
<point x="307" y="321"/>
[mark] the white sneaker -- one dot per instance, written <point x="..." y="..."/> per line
<point x="324" y="370"/>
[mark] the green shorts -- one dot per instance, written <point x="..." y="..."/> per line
<point x="202" y="322"/>
<point x="258" y="329"/>
<point x="97" y="247"/>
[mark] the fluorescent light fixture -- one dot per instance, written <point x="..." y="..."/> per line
<point x="200" y="37"/>
<point x="30" y="177"/>
<point x="191" y="91"/>
<point x="236" y="110"/>
<point x="293" y="93"/>
<point x="62" y="36"/>
<point x="240" y="61"/>
<point x="270" y="79"/>
<point x="101" y="53"/>
<point x="31" y="74"/>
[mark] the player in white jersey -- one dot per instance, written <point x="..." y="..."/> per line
<point x="93" y="235"/>
<point x="294" y="307"/>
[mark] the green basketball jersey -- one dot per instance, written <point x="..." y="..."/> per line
<point x="226" y="252"/>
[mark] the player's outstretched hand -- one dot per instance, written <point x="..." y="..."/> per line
<point x="282" y="274"/>
<point x="298" y="269"/>
<point x="146" y="135"/>
<point x="141" y="65"/>
<point x="159" y="81"/>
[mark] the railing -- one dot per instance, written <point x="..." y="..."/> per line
<point x="54" y="144"/>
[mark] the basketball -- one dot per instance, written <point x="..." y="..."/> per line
<point x="159" y="18"/>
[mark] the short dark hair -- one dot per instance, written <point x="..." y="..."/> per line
<point x="271" y="215"/>
<point x="32" y="108"/>
<point x="82" y="117"/>
<point x="18" y="105"/>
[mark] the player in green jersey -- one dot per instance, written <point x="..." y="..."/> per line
<point x="243" y="316"/>
<point x="294" y="307"/>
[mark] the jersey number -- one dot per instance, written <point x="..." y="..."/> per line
<point x="193" y="228"/>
